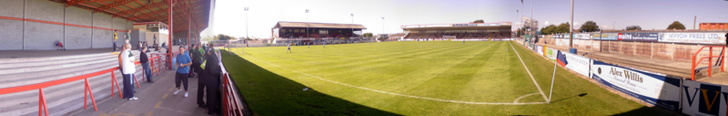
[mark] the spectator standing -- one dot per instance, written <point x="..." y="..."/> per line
<point x="197" y="61"/>
<point x="144" y="59"/>
<point x="183" y="62"/>
<point x="212" y="74"/>
<point x="115" y="38"/>
<point x="128" y="69"/>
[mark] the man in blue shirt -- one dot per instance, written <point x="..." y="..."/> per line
<point x="183" y="62"/>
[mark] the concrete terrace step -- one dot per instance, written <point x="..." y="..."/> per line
<point x="14" y="66"/>
<point x="56" y="64"/>
<point x="57" y="67"/>
<point x="49" y="58"/>
<point x="93" y="80"/>
<point x="60" y="97"/>
<point x="45" y="76"/>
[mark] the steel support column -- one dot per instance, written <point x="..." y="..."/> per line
<point x="169" y="39"/>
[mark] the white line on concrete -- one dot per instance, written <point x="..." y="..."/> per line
<point x="529" y="73"/>
<point x="403" y="95"/>
<point x="524" y="96"/>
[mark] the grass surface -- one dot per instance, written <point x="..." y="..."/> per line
<point x="414" y="78"/>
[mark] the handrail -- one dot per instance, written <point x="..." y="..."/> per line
<point x="42" y="106"/>
<point x="232" y="105"/>
<point x="710" y="57"/>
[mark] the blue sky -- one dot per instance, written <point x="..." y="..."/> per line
<point x="229" y="17"/>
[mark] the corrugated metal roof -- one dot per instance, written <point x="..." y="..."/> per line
<point x="318" y="25"/>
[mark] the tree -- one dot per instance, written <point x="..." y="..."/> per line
<point x="479" y="21"/>
<point x="223" y="37"/>
<point x="676" y="25"/>
<point x="367" y="35"/>
<point x="548" y="29"/>
<point x="634" y="27"/>
<point x="589" y="26"/>
<point x="563" y="28"/>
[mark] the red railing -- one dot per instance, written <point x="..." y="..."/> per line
<point x="42" y="105"/>
<point x="695" y="62"/>
<point x="232" y="106"/>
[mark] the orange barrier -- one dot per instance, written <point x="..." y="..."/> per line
<point x="710" y="57"/>
<point x="231" y="103"/>
<point x="43" y="107"/>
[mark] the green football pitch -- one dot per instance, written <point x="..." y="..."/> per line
<point x="416" y="78"/>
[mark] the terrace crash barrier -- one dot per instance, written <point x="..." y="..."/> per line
<point x="232" y="103"/>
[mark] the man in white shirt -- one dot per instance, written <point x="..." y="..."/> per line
<point x="129" y="69"/>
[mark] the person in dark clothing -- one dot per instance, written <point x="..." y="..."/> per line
<point x="194" y="55"/>
<point x="212" y="80"/>
<point x="726" y="39"/>
<point x="144" y="59"/>
<point x="196" y="62"/>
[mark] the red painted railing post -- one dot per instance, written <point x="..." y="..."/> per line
<point x="88" y="90"/>
<point x="115" y="82"/>
<point x="722" y="57"/>
<point x="710" y="61"/>
<point x="135" y="80"/>
<point x="42" y="106"/>
<point x="226" y="105"/>
<point x="692" y="71"/>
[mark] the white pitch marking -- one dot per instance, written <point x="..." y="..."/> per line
<point x="403" y="95"/>
<point x="524" y="96"/>
<point x="529" y="73"/>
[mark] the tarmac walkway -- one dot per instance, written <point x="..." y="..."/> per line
<point x="155" y="99"/>
<point x="672" y="69"/>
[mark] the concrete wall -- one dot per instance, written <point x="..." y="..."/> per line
<point x="33" y="35"/>
<point x="103" y="38"/>
<point x="78" y="37"/>
<point x="12" y="30"/>
<point x="41" y="36"/>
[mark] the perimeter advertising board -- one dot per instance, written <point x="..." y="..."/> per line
<point x="638" y="37"/>
<point x="704" y="99"/>
<point x="652" y="88"/>
<point x="703" y="38"/>
<point x="582" y="36"/>
<point x="574" y="62"/>
<point x="539" y="49"/>
<point x="550" y="53"/>
<point x="606" y="36"/>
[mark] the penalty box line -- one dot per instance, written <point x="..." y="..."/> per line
<point x="405" y="95"/>
<point x="529" y="73"/>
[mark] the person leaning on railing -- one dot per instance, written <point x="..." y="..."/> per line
<point x="144" y="59"/>
<point x="212" y="75"/>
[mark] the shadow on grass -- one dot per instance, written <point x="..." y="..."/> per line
<point x="562" y="99"/>
<point x="267" y="93"/>
<point x="649" y="111"/>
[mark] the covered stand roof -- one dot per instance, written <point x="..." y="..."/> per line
<point x="152" y="10"/>
<point x="283" y="24"/>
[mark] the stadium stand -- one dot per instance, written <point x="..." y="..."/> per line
<point x="62" y="98"/>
